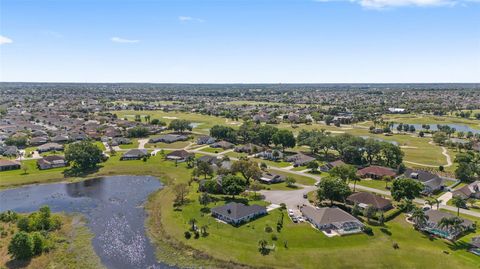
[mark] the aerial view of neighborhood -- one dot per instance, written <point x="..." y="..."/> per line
<point x="239" y="134"/>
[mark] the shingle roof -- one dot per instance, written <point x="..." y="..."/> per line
<point x="327" y="215"/>
<point x="237" y="210"/>
<point x="369" y="199"/>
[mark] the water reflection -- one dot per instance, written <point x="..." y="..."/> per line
<point x="112" y="206"/>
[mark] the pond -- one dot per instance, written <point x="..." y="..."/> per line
<point x="433" y="127"/>
<point x="113" y="208"/>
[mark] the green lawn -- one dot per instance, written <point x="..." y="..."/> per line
<point x="132" y="145"/>
<point x="372" y="183"/>
<point x="236" y="154"/>
<point x="306" y="246"/>
<point x="212" y="150"/>
<point x="175" y="145"/>
<point x="205" y="121"/>
<point x="272" y="163"/>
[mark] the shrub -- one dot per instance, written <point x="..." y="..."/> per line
<point x="21" y="246"/>
<point x="268" y="229"/>
<point x="367" y="230"/>
<point x="188" y="235"/>
<point x="274" y="237"/>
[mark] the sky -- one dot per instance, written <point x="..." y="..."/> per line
<point x="240" y="41"/>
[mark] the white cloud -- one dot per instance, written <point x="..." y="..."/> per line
<point x="5" y="40"/>
<point x="381" y="4"/>
<point x="189" y="19"/>
<point x="124" y="40"/>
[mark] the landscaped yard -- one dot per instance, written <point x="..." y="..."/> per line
<point x="305" y="245"/>
<point x="174" y="145"/>
<point x="372" y="183"/>
<point x="272" y="163"/>
<point x="132" y="145"/>
<point x="212" y="150"/>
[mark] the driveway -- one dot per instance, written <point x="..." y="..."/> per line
<point x="290" y="198"/>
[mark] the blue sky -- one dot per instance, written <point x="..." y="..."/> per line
<point x="246" y="41"/>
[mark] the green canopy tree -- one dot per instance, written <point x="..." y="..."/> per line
<point x="83" y="155"/>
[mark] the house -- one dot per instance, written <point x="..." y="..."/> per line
<point x="475" y="243"/>
<point x="272" y="178"/>
<point x="431" y="182"/>
<point x="50" y="147"/>
<point x="207" y="159"/>
<point x="179" y="155"/>
<point x="434" y="227"/>
<point x="271" y="155"/>
<point x="53" y="161"/>
<point x="376" y="172"/>
<point x="9" y="151"/>
<point x="237" y="213"/>
<point x="168" y="138"/>
<point x="328" y="166"/>
<point x="222" y="144"/>
<point x="39" y="140"/>
<point x="332" y="220"/>
<point x="471" y="190"/>
<point x="396" y="110"/>
<point x="120" y="141"/>
<point x="6" y="165"/>
<point x="59" y="139"/>
<point x="249" y="148"/>
<point x="366" y="199"/>
<point x="134" y="154"/>
<point x="205" y="140"/>
<point x="299" y="159"/>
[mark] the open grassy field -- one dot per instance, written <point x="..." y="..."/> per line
<point x="175" y="145"/>
<point x="73" y="248"/>
<point x="133" y="145"/>
<point x="431" y="119"/>
<point x="203" y="122"/>
<point x="306" y="247"/>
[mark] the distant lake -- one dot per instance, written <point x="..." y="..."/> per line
<point x="380" y="140"/>
<point x="113" y="208"/>
<point x="433" y="127"/>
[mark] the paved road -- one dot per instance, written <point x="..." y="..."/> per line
<point x="295" y="197"/>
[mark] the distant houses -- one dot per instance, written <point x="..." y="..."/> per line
<point x="205" y="140"/>
<point x="237" y="213"/>
<point x="332" y="220"/>
<point x="222" y="144"/>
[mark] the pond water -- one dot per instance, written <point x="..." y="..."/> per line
<point x="380" y="140"/>
<point x="113" y="208"/>
<point x="433" y="127"/>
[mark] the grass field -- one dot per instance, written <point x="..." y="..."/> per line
<point x="204" y="122"/>
<point x="133" y="145"/>
<point x="175" y="145"/>
<point x="212" y="150"/>
<point x="431" y="119"/>
<point x="73" y="248"/>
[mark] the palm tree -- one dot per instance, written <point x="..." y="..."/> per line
<point x="458" y="202"/>
<point x="457" y="224"/>
<point x="192" y="222"/>
<point x="433" y="201"/>
<point x="419" y="217"/>
<point x="445" y="223"/>
<point x="203" y="230"/>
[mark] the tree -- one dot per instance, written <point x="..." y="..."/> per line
<point x="192" y="222"/>
<point x="233" y="185"/>
<point x="180" y="125"/>
<point x="458" y="202"/>
<point x="372" y="149"/>
<point x="284" y="138"/>
<point x="224" y="133"/>
<point x="266" y="133"/>
<point x="204" y="199"/>
<point x="158" y="122"/>
<point x="255" y="186"/>
<point x="290" y="181"/>
<point x="137" y="131"/>
<point x="313" y="166"/>
<point x="38" y="243"/>
<point x="419" y="217"/>
<point x="83" y="155"/>
<point x="405" y="188"/>
<point x="181" y="190"/>
<point x="21" y="246"/>
<point x="333" y="189"/>
<point x="262" y="246"/>
<point x="203" y="168"/>
<point x="439" y="137"/>
<point x="369" y="212"/>
<point x="190" y="160"/>
<point x="24" y="168"/>
<point x="468" y="169"/>
<point x="433" y="201"/>
<point x="356" y="210"/>
<point x="248" y="168"/>
<point x="346" y="172"/>
<point x="18" y="141"/>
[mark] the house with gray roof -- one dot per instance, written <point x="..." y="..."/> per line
<point x="49" y="162"/>
<point x="49" y="147"/>
<point x="6" y="165"/>
<point x="433" y="225"/>
<point x="270" y="178"/>
<point x="134" y="154"/>
<point x="471" y="190"/>
<point x="237" y="213"/>
<point x="332" y="220"/>
<point x="299" y="159"/>
<point x="431" y="182"/>
<point x="366" y="199"/>
<point x="168" y="138"/>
